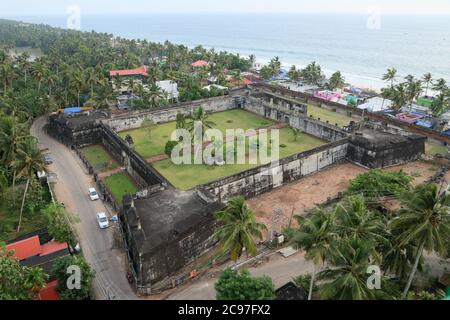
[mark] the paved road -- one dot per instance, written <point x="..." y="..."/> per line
<point x="281" y="270"/>
<point x="71" y="189"/>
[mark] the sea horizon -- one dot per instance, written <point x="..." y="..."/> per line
<point x="350" y="43"/>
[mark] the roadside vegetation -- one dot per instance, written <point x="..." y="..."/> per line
<point x="358" y="232"/>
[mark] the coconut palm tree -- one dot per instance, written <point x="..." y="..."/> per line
<point x="29" y="160"/>
<point x="154" y="95"/>
<point x="7" y="75"/>
<point x="238" y="229"/>
<point x="23" y="62"/>
<point x="427" y="79"/>
<point x="13" y="136"/>
<point x="200" y="115"/>
<point x="413" y="90"/>
<point x="316" y="236"/>
<point x="40" y="72"/>
<point x="440" y="105"/>
<point x="423" y="221"/>
<point x="77" y="83"/>
<point x="312" y="74"/>
<point x="440" y="86"/>
<point x="397" y="257"/>
<point x="346" y="275"/>
<point x="337" y="81"/>
<point x="91" y="79"/>
<point x="237" y="75"/>
<point x="104" y="96"/>
<point x="355" y="221"/>
<point x="390" y="76"/>
<point x="294" y="74"/>
<point x="386" y="93"/>
<point x="399" y="96"/>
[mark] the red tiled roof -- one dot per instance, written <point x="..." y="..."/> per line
<point x="141" y="71"/>
<point x="49" y="292"/>
<point x="52" y="247"/>
<point x="200" y="63"/>
<point x="25" y="248"/>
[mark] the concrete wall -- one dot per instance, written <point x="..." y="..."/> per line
<point x="431" y="134"/>
<point x="263" y="179"/>
<point x="134" y="120"/>
<point x="295" y="119"/>
<point x="136" y="166"/>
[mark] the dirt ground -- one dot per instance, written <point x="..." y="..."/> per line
<point x="297" y="197"/>
<point x="304" y="194"/>
<point x="421" y="171"/>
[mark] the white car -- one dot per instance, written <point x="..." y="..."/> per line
<point x="103" y="221"/>
<point x="93" y="194"/>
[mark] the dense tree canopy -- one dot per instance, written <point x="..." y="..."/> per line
<point x="16" y="281"/>
<point x="64" y="272"/>
<point x="239" y="285"/>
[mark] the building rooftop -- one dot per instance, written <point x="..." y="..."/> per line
<point x="169" y="214"/>
<point x="377" y="139"/>
<point x="200" y="63"/>
<point x="141" y="71"/>
<point x="291" y="292"/>
<point x="81" y="119"/>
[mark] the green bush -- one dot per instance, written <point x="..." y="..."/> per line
<point x="170" y="145"/>
<point x="378" y="183"/>
<point x="239" y="285"/>
<point x="60" y="268"/>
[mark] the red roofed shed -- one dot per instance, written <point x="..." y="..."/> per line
<point x="141" y="71"/>
<point x="200" y="63"/>
<point x="50" y="292"/>
<point x="25" y="248"/>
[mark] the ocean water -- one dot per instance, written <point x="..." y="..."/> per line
<point x="349" y="43"/>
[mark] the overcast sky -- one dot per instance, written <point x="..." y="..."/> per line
<point x="42" y="7"/>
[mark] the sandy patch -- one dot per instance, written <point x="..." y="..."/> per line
<point x="298" y="197"/>
<point x="304" y="194"/>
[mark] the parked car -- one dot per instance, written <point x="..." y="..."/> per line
<point x="93" y="194"/>
<point x="103" y="221"/>
<point x="47" y="159"/>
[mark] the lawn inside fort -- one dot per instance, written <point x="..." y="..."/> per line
<point x="150" y="143"/>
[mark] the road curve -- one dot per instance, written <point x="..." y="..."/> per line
<point x="97" y="245"/>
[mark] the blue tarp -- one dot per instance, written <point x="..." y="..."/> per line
<point x="419" y="113"/>
<point x="72" y="110"/>
<point x="446" y="133"/>
<point x="424" y="123"/>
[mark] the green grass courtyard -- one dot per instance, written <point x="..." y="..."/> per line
<point x="120" y="184"/>
<point x="328" y="115"/>
<point x="99" y="158"/>
<point x="185" y="177"/>
<point x="152" y="143"/>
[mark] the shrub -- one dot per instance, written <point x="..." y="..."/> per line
<point x="170" y="145"/>
<point x="239" y="285"/>
<point x="376" y="183"/>
<point x="60" y="269"/>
